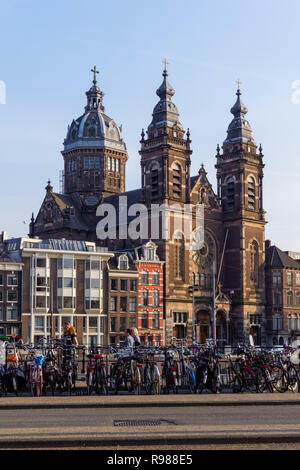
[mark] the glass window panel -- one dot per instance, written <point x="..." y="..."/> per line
<point x="113" y="324"/>
<point x="12" y="314"/>
<point x="39" y="323"/>
<point x="12" y="280"/>
<point x="68" y="282"/>
<point x="95" y="265"/>
<point x="114" y="284"/>
<point x="41" y="262"/>
<point x="12" y="296"/>
<point x="68" y="302"/>
<point x="123" y="304"/>
<point x="40" y="302"/>
<point x="113" y="304"/>
<point x="122" y="323"/>
<point x="95" y="303"/>
<point x="132" y="304"/>
<point x="68" y="263"/>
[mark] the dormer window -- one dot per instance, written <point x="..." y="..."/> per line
<point x="123" y="262"/>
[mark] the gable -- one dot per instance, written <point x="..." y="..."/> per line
<point x="202" y="192"/>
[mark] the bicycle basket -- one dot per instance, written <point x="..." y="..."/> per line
<point x="39" y="360"/>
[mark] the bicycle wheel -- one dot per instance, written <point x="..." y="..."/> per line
<point x="201" y="377"/>
<point x="156" y="381"/>
<point x="234" y="381"/>
<point x="263" y="381"/>
<point x="190" y="380"/>
<point x="118" y="382"/>
<point x="215" y="380"/>
<point x="147" y="380"/>
<point x="250" y="381"/>
<point x="102" y="381"/>
<point x="39" y="386"/>
<point x="136" y="381"/>
<point x="89" y="383"/>
<point x="293" y="378"/>
<point x="279" y="378"/>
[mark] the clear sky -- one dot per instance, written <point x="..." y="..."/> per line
<point x="48" y="49"/>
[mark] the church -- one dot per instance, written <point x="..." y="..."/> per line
<point x="233" y="253"/>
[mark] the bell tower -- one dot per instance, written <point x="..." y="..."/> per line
<point x="165" y="171"/>
<point x="165" y="152"/>
<point x="240" y="182"/>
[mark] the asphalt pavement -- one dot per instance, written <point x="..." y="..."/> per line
<point x="187" y="421"/>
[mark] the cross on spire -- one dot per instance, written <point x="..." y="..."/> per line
<point x="95" y="71"/>
<point x="165" y="63"/>
<point x="239" y="83"/>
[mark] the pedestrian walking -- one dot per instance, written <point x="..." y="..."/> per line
<point x="129" y="340"/>
<point x="135" y="335"/>
<point x="69" y="335"/>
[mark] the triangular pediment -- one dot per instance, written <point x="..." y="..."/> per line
<point x="51" y="209"/>
<point x="203" y="193"/>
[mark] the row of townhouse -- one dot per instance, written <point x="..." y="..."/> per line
<point x="45" y="283"/>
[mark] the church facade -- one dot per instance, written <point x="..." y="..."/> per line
<point x="232" y="257"/>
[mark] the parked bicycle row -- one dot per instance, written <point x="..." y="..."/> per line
<point x="53" y="367"/>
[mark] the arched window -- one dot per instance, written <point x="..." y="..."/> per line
<point x="155" y="278"/>
<point x="179" y="257"/>
<point x="154" y="181"/>
<point x="177" y="180"/>
<point x="298" y="299"/>
<point x="145" y="319"/>
<point x="123" y="262"/>
<point x="155" y="298"/>
<point x="254" y="263"/>
<point x="277" y="322"/>
<point x="230" y="193"/>
<point x="144" y="298"/>
<point x="290" y="298"/>
<point x="251" y="193"/>
<point x="155" y="320"/>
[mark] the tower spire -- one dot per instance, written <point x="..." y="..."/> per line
<point x="95" y="71"/>
<point x="94" y="95"/>
<point x="239" y="130"/>
<point x="165" y="113"/>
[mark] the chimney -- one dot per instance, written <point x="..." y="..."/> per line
<point x="267" y="244"/>
<point x="3" y="237"/>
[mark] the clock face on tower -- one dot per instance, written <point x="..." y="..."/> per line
<point x="205" y="256"/>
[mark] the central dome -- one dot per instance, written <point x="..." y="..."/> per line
<point x="94" y="128"/>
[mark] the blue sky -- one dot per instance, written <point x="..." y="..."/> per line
<point x="48" y="49"/>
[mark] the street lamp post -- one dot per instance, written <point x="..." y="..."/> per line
<point x="214" y="335"/>
<point x="192" y="290"/>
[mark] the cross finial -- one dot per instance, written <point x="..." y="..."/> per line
<point x="238" y="82"/>
<point x="165" y="64"/>
<point x="95" y="71"/>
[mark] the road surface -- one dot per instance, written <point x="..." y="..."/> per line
<point x="159" y="426"/>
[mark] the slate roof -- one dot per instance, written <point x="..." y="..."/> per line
<point x="276" y="258"/>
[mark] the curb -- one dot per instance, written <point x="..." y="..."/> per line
<point x="146" y="440"/>
<point x="141" y="404"/>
